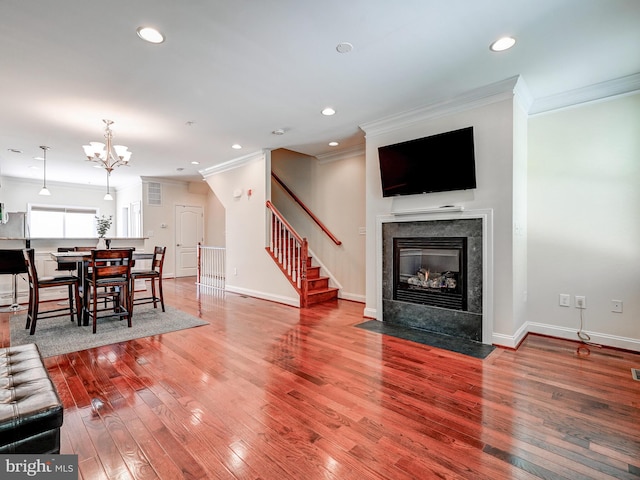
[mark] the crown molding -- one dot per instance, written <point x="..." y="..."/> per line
<point x="341" y="155"/>
<point x="475" y="98"/>
<point x="55" y="183"/>
<point x="163" y="180"/>
<point x="598" y="91"/>
<point x="522" y="94"/>
<point x="231" y="164"/>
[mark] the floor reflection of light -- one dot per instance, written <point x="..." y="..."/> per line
<point x="196" y="417"/>
<point x="331" y="465"/>
<point x="209" y="297"/>
<point x="236" y="458"/>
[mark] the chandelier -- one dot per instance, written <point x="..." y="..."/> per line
<point x="107" y="156"/>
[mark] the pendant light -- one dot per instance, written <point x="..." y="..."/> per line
<point x="108" y="194"/>
<point x="44" y="190"/>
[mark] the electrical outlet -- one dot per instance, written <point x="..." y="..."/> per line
<point x="565" y="300"/>
<point x="616" y="306"/>
<point x="581" y="301"/>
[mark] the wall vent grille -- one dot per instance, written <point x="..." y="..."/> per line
<point x="154" y="194"/>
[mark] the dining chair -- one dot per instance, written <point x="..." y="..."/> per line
<point x="154" y="274"/>
<point x="109" y="280"/>
<point x="37" y="283"/>
<point x="66" y="266"/>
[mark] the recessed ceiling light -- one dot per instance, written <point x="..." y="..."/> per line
<point x="14" y="150"/>
<point x="236" y="146"/>
<point x="504" y="43"/>
<point x="179" y="169"/>
<point x="150" y="35"/>
<point x="344" y="47"/>
<point x="328" y="111"/>
<point x="195" y="163"/>
<point x="278" y="131"/>
<point x="333" y="144"/>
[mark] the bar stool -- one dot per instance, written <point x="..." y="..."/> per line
<point x="12" y="262"/>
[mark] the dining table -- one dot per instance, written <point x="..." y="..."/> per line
<point x="82" y="260"/>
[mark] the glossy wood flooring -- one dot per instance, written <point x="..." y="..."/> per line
<point x="268" y="391"/>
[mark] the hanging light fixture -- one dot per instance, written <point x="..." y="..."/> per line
<point x="44" y="190"/>
<point x="108" y="194"/>
<point x="107" y="156"/>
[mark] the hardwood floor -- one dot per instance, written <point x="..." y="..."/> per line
<point x="267" y="391"/>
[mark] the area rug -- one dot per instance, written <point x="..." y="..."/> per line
<point x="445" y="342"/>
<point x="56" y="336"/>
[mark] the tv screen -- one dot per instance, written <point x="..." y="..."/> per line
<point x="438" y="163"/>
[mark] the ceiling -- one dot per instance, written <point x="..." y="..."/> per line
<point x="235" y="71"/>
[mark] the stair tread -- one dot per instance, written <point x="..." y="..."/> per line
<point x="317" y="291"/>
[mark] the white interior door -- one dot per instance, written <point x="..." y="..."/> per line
<point x="189" y="231"/>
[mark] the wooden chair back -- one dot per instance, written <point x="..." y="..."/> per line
<point x="111" y="265"/>
<point x="28" y="260"/>
<point x="158" y="259"/>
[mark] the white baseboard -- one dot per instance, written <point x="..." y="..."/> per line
<point x="597" y="338"/>
<point x="293" y="301"/>
<point x="352" y="297"/>
<point x="510" y="341"/>
<point x="370" y="313"/>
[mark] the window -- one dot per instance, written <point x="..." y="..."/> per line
<point x="48" y="221"/>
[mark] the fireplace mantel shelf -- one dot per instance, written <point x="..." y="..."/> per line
<point x="443" y="209"/>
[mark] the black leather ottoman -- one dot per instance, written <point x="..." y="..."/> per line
<point x="30" y="408"/>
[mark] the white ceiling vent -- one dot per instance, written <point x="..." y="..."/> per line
<point x="154" y="194"/>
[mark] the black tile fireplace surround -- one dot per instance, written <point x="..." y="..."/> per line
<point x="463" y="323"/>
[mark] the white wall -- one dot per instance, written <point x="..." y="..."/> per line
<point x="584" y="220"/>
<point x="250" y="270"/>
<point x="159" y="223"/>
<point x="333" y="189"/>
<point x="214" y="224"/>
<point x="519" y="221"/>
<point x="17" y="193"/>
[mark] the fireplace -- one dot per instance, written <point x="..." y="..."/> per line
<point x="430" y="271"/>
<point x="432" y="276"/>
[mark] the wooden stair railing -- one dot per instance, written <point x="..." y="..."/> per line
<point x="306" y="209"/>
<point x="291" y="253"/>
<point x="288" y="249"/>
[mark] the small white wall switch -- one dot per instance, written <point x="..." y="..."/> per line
<point x="565" y="300"/>
<point x="616" y="306"/>
<point x="581" y="301"/>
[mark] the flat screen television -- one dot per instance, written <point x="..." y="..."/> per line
<point x="438" y="163"/>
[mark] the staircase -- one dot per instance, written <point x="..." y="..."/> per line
<point x="318" y="289"/>
<point x="291" y="254"/>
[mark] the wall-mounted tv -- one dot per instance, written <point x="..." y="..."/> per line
<point x="438" y="163"/>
